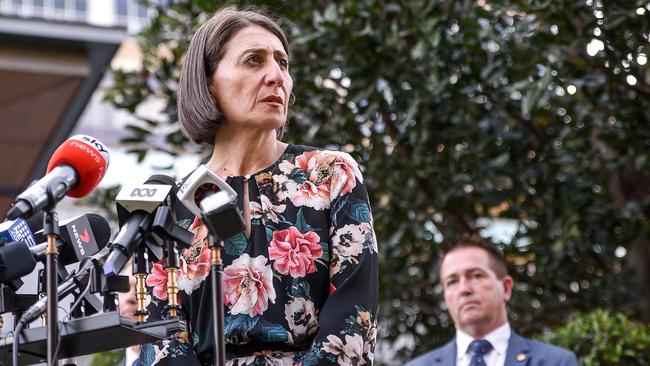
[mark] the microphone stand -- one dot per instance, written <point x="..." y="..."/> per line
<point x="51" y="230"/>
<point x="140" y="270"/>
<point x="216" y="267"/>
<point x="170" y="255"/>
<point x="222" y="218"/>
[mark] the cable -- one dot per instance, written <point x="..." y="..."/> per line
<point x="14" y="349"/>
<point x="58" y="340"/>
<point x="76" y="303"/>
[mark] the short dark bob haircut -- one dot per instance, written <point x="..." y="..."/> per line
<point x="197" y="112"/>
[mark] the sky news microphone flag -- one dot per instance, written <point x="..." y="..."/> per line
<point x="75" y="169"/>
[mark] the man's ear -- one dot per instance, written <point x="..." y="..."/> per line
<point x="507" y="282"/>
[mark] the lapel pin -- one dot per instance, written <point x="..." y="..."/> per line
<point x="521" y="357"/>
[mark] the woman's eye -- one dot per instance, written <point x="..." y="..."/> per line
<point x="254" y="59"/>
<point x="283" y="63"/>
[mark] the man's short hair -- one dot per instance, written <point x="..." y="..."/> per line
<point x="497" y="262"/>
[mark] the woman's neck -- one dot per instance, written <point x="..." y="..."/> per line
<point x="244" y="152"/>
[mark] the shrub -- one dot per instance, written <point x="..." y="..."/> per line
<point x="600" y="338"/>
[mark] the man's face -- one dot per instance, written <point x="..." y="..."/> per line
<point x="476" y="298"/>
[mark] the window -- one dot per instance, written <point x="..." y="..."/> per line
<point x="121" y="8"/>
<point x="81" y="6"/>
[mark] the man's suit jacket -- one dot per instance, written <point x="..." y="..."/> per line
<point x="521" y="352"/>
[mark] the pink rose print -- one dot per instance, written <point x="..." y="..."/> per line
<point x="329" y="174"/>
<point x="248" y="285"/>
<point x="345" y="173"/>
<point x="195" y="260"/>
<point x="312" y="195"/>
<point x="294" y="253"/>
<point x="313" y="192"/>
<point x="157" y="279"/>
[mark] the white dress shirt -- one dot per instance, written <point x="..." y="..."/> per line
<point x="496" y="357"/>
<point x="131" y="354"/>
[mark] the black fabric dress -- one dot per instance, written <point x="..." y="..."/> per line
<point x="301" y="289"/>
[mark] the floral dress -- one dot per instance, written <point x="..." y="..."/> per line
<point x="300" y="290"/>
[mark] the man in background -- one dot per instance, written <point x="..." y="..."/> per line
<point x="477" y="289"/>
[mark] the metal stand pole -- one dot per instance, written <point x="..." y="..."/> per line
<point x="51" y="230"/>
<point x="217" y="302"/>
<point x="170" y="255"/>
<point x="140" y="271"/>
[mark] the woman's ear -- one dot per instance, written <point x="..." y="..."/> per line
<point x="213" y="92"/>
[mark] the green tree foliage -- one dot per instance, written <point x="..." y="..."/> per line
<point x="463" y="113"/>
<point x="602" y="339"/>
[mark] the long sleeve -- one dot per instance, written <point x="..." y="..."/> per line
<point x="301" y="287"/>
<point x="347" y="332"/>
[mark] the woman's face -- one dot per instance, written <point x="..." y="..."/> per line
<point x="251" y="84"/>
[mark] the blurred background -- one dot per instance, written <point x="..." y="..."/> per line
<point x="525" y="121"/>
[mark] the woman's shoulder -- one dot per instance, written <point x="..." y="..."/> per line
<point x="322" y="153"/>
<point x="321" y="165"/>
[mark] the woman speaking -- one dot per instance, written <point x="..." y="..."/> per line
<point x="300" y="285"/>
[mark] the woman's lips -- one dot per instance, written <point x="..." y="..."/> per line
<point x="273" y="100"/>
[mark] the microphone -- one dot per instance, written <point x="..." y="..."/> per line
<point x="18" y="259"/>
<point x="11" y="232"/>
<point x="17" y="230"/>
<point x="80" y="237"/>
<point x="75" y="169"/>
<point x="15" y="240"/>
<point x="135" y="204"/>
<point x="221" y="216"/>
<point x="201" y="183"/>
<point x="211" y="198"/>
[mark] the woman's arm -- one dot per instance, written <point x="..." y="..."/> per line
<point x="347" y="322"/>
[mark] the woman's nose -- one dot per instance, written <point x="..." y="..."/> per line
<point x="274" y="74"/>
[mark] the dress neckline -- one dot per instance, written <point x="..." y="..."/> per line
<point x="287" y="149"/>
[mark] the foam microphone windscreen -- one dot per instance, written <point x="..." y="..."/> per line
<point x="16" y="261"/>
<point x="87" y="156"/>
<point x="35" y="221"/>
<point x="162" y="179"/>
<point x="84" y="236"/>
<point x="101" y="229"/>
<point x="79" y="237"/>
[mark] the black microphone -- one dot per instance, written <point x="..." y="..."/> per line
<point x="135" y="204"/>
<point x="221" y="216"/>
<point x="80" y="237"/>
<point x="75" y="169"/>
<point x="17" y="230"/>
<point x="18" y="259"/>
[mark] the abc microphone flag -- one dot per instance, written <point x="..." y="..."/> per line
<point x="135" y="205"/>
